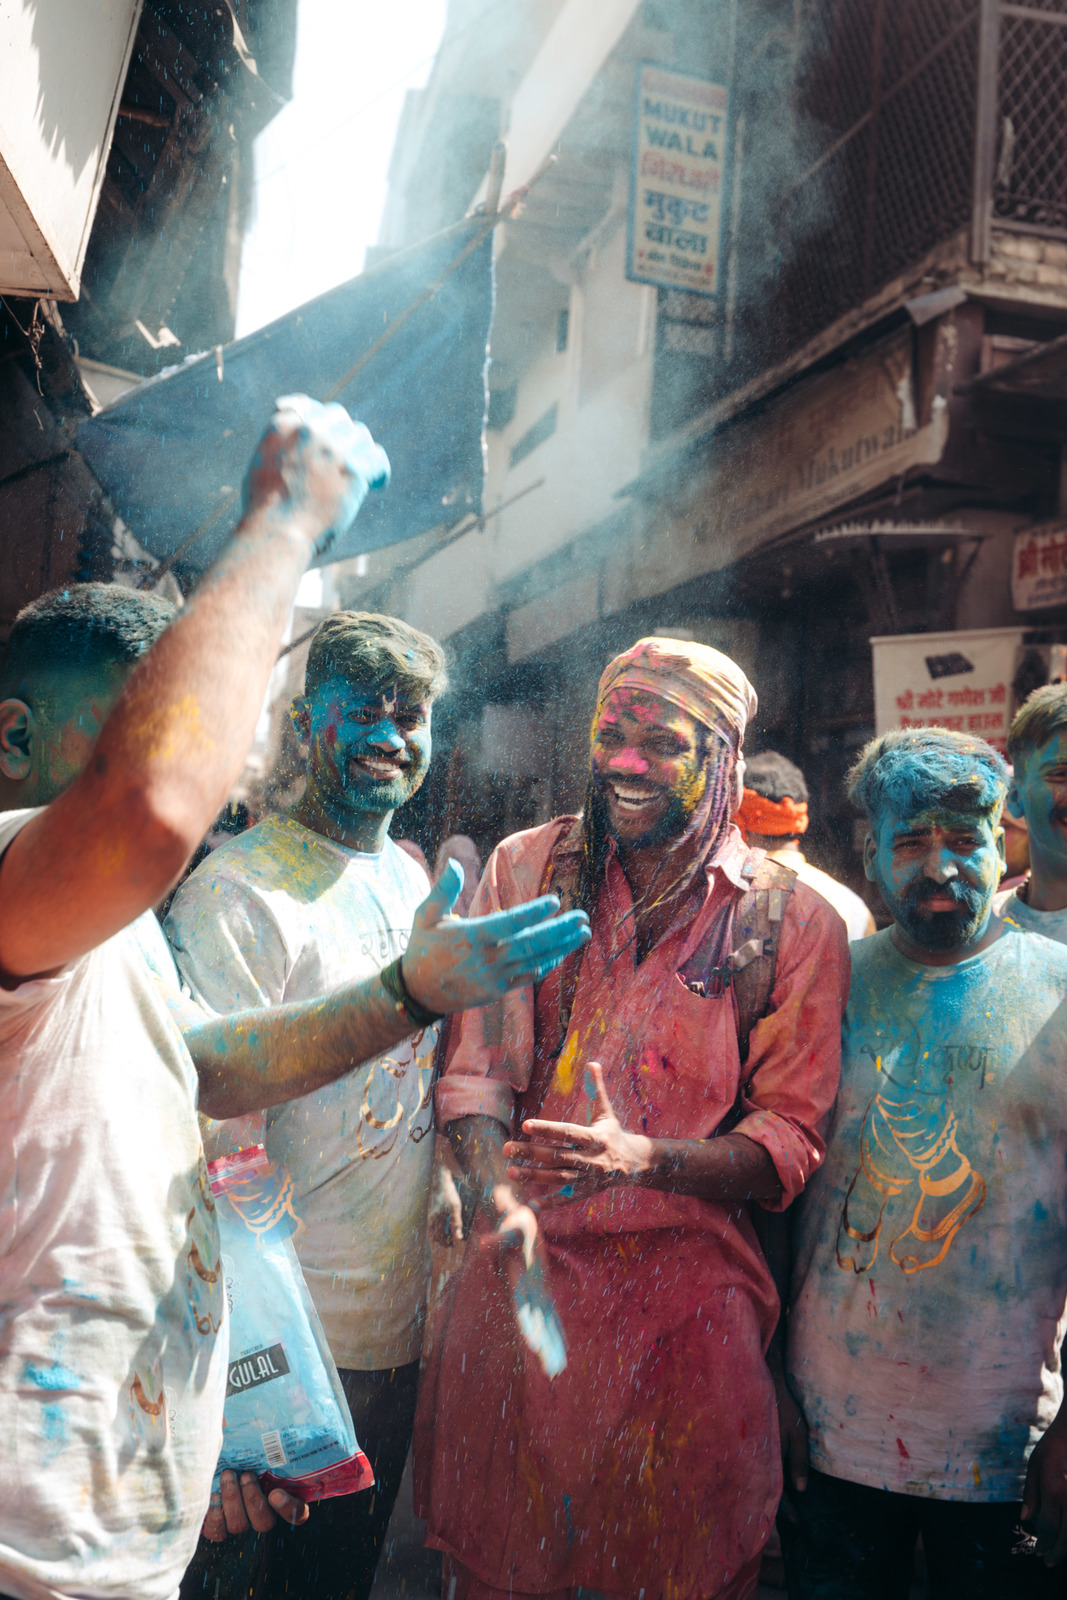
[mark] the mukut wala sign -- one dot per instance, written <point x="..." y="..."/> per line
<point x="676" y="181"/>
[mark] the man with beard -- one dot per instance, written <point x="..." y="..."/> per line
<point x="659" y="1097"/>
<point x="291" y="910"/>
<point x="930" y="1270"/>
<point x="1037" y="745"/>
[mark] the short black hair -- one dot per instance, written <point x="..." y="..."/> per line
<point x="907" y="770"/>
<point x="84" y="625"/>
<point x="1041" y="714"/>
<point x="378" y="651"/>
<point x="775" y="778"/>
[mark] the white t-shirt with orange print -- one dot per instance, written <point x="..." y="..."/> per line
<point x="929" y="1293"/>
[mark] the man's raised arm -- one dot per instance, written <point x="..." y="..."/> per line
<point x="110" y="846"/>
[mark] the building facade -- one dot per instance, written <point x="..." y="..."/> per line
<point x="855" y="437"/>
<point x="143" y="186"/>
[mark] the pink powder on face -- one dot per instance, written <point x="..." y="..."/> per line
<point x="627" y="761"/>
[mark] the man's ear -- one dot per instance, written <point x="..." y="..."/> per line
<point x="869" y="851"/>
<point x="300" y="717"/>
<point x="998" y="840"/>
<point x="18" y="739"/>
<point x="1013" y="803"/>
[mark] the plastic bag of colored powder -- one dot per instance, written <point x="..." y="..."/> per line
<point x="286" y="1417"/>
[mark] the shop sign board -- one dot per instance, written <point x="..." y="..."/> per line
<point x="1039" y="567"/>
<point x="820" y="446"/>
<point x="676" y="181"/>
<point x="947" y="680"/>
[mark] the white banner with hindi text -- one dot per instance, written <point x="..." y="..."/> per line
<point x="947" y="680"/>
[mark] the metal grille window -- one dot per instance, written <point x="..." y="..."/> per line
<point x="913" y="120"/>
<point x="1030" y="185"/>
<point x="888" y="88"/>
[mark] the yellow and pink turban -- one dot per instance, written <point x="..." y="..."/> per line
<point x="696" y="678"/>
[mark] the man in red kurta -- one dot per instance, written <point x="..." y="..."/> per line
<point x="649" y="1466"/>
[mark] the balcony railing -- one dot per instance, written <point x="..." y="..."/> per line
<point x="917" y="118"/>
<point x="1030" y="175"/>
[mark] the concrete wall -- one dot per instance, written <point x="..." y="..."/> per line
<point x="62" y="65"/>
<point x="600" y="386"/>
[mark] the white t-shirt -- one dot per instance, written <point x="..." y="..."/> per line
<point x="1053" y="924"/>
<point x="280" y="914"/>
<point x="850" y="907"/>
<point x="930" y="1272"/>
<point x="111" y="1369"/>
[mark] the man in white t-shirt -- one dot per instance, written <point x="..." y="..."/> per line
<point x="287" y="911"/>
<point x="774" y="817"/>
<point x="1037" y="745"/>
<point x="122" y="728"/>
<point x="930" y="1250"/>
<point x="121" y="737"/>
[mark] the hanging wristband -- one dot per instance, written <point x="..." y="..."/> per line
<point x="392" y="980"/>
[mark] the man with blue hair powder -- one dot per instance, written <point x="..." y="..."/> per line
<point x="930" y="1271"/>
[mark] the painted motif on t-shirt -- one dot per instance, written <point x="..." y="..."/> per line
<point x="381" y="1108"/>
<point x="203" y="1268"/>
<point x="910" y="1152"/>
<point x="930" y="1279"/>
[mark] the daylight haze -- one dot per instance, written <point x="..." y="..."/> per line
<point x="321" y="165"/>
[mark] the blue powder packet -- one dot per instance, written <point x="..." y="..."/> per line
<point x="285" y="1417"/>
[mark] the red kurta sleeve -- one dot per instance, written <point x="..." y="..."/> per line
<point x="794" y="1059"/>
<point x="490" y="1055"/>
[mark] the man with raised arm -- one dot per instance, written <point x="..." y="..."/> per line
<point x="122" y="732"/>
<point x="664" y="1082"/>
<point x="930" y="1252"/>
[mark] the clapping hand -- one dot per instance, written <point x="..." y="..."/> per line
<point x="559" y="1162"/>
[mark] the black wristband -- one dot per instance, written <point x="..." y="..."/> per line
<point x="392" y="978"/>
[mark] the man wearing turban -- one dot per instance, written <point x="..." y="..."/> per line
<point x="617" y="1123"/>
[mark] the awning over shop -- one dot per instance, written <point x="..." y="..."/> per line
<point x="892" y="535"/>
<point x="171" y="454"/>
<point x="1038" y="374"/>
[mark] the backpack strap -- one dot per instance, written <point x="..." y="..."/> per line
<point x="741" y="946"/>
<point x="757" y="931"/>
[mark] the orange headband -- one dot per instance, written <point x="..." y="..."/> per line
<point x="771" y="817"/>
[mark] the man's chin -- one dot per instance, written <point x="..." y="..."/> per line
<point x="375" y="798"/>
<point x="940" y="930"/>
